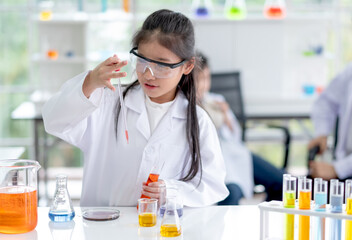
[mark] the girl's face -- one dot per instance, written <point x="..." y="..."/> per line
<point x="161" y="90"/>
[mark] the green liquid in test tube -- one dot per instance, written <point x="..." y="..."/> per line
<point x="289" y="199"/>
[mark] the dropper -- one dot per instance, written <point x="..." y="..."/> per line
<point x="123" y="109"/>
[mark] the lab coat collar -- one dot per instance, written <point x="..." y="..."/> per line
<point x="136" y="102"/>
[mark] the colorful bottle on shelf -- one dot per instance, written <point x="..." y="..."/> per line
<point x="45" y="10"/>
<point x="201" y="8"/>
<point x="289" y="199"/>
<point x="274" y="9"/>
<point x="126" y="5"/>
<point x="304" y="200"/>
<point x="235" y="9"/>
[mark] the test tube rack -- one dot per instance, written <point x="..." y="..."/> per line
<point x="277" y="206"/>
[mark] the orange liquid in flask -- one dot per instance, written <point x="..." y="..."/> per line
<point x="274" y="12"/>
<point x="18" y="209"/>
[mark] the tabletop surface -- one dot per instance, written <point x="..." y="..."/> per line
<point x="209" y="223"/>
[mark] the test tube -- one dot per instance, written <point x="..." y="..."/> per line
<point x="289" y="198"/>
<point x="336" y="201"/>
<point x="348" y="192"/>
<point x="320" y="199"/>
<point x="304" y="199"/>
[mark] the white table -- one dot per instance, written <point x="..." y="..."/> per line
<point x="210" y="223"/>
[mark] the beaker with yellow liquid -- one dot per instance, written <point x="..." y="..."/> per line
<point x="18" y="196"/>
<point x="170" y="225"/>
<point x="147" y="210"/>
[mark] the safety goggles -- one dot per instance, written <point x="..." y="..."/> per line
<point x="156" y="68"/>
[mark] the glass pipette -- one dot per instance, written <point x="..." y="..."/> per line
<point x="123" y="109"/>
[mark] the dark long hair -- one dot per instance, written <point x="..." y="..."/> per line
<point x="175" y="32"/>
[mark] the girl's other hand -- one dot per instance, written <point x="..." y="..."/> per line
<point x="319" y="141"/>
<point x="154" y="190"/>
<point x="102" y="74"/>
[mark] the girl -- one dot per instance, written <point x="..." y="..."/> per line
<point x="165" y="126"/>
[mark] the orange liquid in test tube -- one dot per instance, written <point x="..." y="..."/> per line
<point x="153" y="177"/>
<point x="18" y="210"/>
<point x="304" y="221"/>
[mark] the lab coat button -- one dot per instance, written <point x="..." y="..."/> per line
<point x="149" y="150"/>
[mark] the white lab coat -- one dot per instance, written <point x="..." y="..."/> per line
<point x="335" y="101"/>
<point x="114" y="170"/>
<point x="238" y="159"/>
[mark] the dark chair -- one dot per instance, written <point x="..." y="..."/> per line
<point x="229" y="85"/>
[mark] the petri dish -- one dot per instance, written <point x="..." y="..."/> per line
<point x="100" y="214"/>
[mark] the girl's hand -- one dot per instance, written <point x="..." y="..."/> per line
<point x="102" y="74"/>
<point x="154" y="190"/>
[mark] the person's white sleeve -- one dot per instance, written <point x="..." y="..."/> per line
<point x="65" y="114"/>
<point x="343" y="167"/>
<point x="236" y="133"/>
<point x="327" y="106"/>
<point x="212" y="188"/>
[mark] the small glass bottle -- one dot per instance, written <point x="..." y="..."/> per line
<point x="201" y="8"/>
<point x="235" y="9"/>
<point x="170" y="224"/>
<point x="61" y="209"/>
<point x="274" y="9"/>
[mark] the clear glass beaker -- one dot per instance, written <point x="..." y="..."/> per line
<point x="170" y="225"/>
<point x="235" y="9"/>
<point x="18" y="195"/>
<point x="275" y="9"/>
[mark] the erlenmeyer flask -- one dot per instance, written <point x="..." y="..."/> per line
<point x="61" y="209"/>
<point x="201" y="8"/>
<point x="235" y="9"/>
<point x="170" y="225"/>
<point x="275" y="9"/>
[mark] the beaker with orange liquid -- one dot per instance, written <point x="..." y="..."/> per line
<point x="18" y="196"/>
